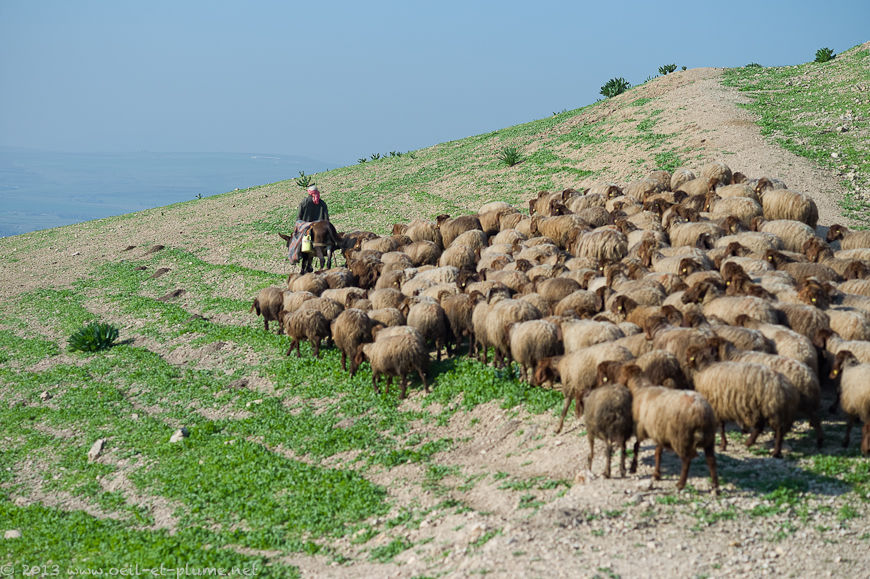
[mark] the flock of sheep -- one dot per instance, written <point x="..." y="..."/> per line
<point x="662" y="309"/>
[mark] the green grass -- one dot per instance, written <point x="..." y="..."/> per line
<point x="802" y="107"/>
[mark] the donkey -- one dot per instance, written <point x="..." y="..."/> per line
<point x="325" y="240"/>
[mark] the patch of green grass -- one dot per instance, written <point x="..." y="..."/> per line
<point x="668" y="161"/>
<point x="388" y="552"/>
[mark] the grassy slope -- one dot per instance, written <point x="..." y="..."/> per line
<point x="804" y="108"/>
<point x="280" y="465"/>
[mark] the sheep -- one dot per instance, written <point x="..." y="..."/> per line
<point x="663" y="368"/>
<point x="507" y="237"/>
<point x="269" y="303"/>
<point x="785" y="204"/>
<point x="292" y="300"/>
<point x="716" y="170"/>
<point x="859" y="287"/>
<point x="750" y="394"/>
<point x="396" y="260"/>
<point x="577" y="373"/>
<point x="755" y="241"/>
<point x="458" y="255"/>
<point x="850" y="323"/>
<point x="603" y="244"/>
<point x="804" y="319"/>
<point x="531" y="341"/>
<point x="351" y="328"/>
<point x="676" y="340"/>
<point x="306" y="324"/>
<point x="473" y="238"/>
<point x="579" y="334"/>
<point x="744" y="208"/>
<point x="429" y="319"/>
<point x="688" y="233"/>
<point x="581" y="303"/>
<point x="453" y="228"/>
<point x="848" y="239"/>
<point x="387" y="298"/>
<point x="365" y="268"/>
<point x="499" y="317"/>
<point x="419" y="230"/>
<point x="345" y="295"/>
<point x="490" y="213"/>
<point x="794" y="234"/>
<point x="329" y="308"/>
<point x="729" y="307"/>
<point x="737" y="190"/>
<point x="381" y="244"/>
<point x="310" y="282"/>
<point x="680" y="176"/>
<point x="338" y="277"/>
<point x="681" y="420"/>
<point x="387" y="317"/>
<point x="799" y="375"/>
<point x="515" y="280"/>
<point x="854" y="395"/>
<point x="698" y="187"/>
<point x="395" y="353"/>
<point x="607" y="414"/>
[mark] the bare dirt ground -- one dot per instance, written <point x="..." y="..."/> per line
<point x="588" y="525"/>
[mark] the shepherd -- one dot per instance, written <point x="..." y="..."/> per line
<point x="312" y="221"/>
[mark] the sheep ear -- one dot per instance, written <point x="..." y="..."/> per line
<point x="286" y="238"/>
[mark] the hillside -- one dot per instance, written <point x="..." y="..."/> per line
<point x="293" y="467"/>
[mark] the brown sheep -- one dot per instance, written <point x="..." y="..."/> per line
<point x="848" y="239"/>
<point x="429" y="319"/>
<point x="607" y="414"/>
<point x="855" y="395"/>
<point x="423" y="252"/>
<point x="750" y="394"/>
<point x="677" y="419"/>
<point x="453" y="228"/>
<point x="306" y="324"/>
<point x="603" y="244"/>
<point x="785" y="204"/>
<point x="269" y="303"/>
<point x="396" y="352"/>
<point x="532" y="341"/>
<point x="387" y="317"/>
<point x="351" y="328"/>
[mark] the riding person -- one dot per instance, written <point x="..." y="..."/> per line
<point x="312" y="207"/>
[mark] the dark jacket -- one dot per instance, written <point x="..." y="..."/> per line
<point x="309" y="211"/>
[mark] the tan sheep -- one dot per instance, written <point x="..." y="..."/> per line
<point x="854" y="395"/>
<point x="269" y="303"/>
<point x="306" y="324"/>
<point x="531" y="341"/>
<point x="859" y="239"/>
<point x="607" y="414"/>
<point x="351" y="328"/>
<point x="785" y="204"/>
<point x="396" y="352"/>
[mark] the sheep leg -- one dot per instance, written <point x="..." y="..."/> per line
<point x="293" y="344"/>
<point x="608" y="449"/>
<point x="777" y="449"/>
<point x="710" y="457"/>
<point x="564" y="413"/>
<point x="816" y="423"/>
<point x="657" y="472"/>
<point x="724" y="438"/>
<point x="591" y="451"/>
<point x="423" y="379"/>
<point x="756" y="430"/>
<point x="850" y="422"/>
<point x="375" y="382"/>
<point x="622" y="459"/>
<point x="470" y="346"/>
<point x="265" y="323"/>
<point x="403" y="387"/>
<point x="836" y="402"/>
<point x="684" y="472"/>
<point x="343" y="361"/>
<point x="316" y="345"/>
<point x="635" y="454"/>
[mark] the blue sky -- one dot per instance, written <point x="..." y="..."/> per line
<point x="336" y="81"/>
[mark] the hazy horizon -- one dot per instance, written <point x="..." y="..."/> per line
<point x="342" y="80"/>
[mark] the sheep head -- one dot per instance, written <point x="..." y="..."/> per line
<point x="607" y="373"/>
<point x="547" y="370"/>
<point x="836" y="231"/>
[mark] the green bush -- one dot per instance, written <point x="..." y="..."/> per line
<point x="510" y="156"/>
<point x="304" y="180"/>
<point x="93" y="338"/>
<point x="667" y="68"/>
<point x="752" y="65"/>
<point x="824" y="55"/>
<point x="615" y="86"/>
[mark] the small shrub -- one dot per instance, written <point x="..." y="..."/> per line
<point x="615" y="86"/>
<point x="824" y="55"/>
<point x="304" y="181"/>
<point x="93" y="338"/>
<point x="510" y="156"/>
<point x="682" y="68"/>
<point x="375" y="156"/>
<point x="361" y="160"/>
<point x="752" y="65"/>
<point x="667" y="68"/>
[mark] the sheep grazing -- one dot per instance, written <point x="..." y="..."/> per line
<point x="607" y="414"/>
<point x="453" y="228"/>
<point x="396" y="352"/>
<point x="751" y="395"/>
<point x="269" y="303"/>
<point x="603" y="244"/>
<point x="532" y="341"/>
<point x="428" y="318"/>
<point x="785" y="204"/>
<point x="854" y="395"/>
<point x="499" y="318"/>
<point x="351" y="328"/>
<point x="306" y="324"/>
<point x="680" y="420"/>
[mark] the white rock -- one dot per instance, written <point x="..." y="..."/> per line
<point x="96" y="449"/>
<point x="12" y="534"/>
<point x="179" y="435"/>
